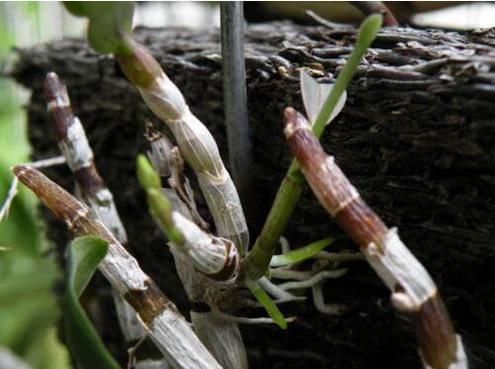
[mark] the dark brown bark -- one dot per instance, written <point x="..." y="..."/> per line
<point x="417" y="139"/>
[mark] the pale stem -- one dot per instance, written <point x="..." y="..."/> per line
<point x="222" y="338"/>
<point x="91" y="189"/>
<point x="167" y="327"/>
<point x="413" y="290"/>
<point x="319" y="301"/>
<point x="195" y="142"/>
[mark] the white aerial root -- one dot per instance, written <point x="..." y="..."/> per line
<point x="319" y="302"/>
<point x="276" y="291"/>
<point x="244" y="320"/>
<point x="284" y="244"/>
<point x="11" y="194"/>
<point x="317" y="278"/>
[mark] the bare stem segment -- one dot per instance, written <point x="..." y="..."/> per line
<point x="169" y="330"/>
<point x="92" y="190"/>
<point x="413" y="290"/>
<point x="196" y="144"/>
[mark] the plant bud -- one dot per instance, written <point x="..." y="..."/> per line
<point x="138" y="64"/>
<point x="147" y="177"/>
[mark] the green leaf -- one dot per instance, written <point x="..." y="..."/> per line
<point x="265" y="300"/>
<point x="367" y="33"/>
<point x="109" y="22"/>
<point x="78" y="8"/>
<point x="28" y="310"/>
<point x="85" y="253"/>
<point x="300" y="254"/>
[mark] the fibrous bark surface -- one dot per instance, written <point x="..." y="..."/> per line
<point x="417" y="138"/>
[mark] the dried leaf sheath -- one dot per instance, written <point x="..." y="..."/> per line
<point x="92" y="190"/>
<point x="168" y="328"/>
<point x="413" y="290"/>
<point x="168" y="163"/>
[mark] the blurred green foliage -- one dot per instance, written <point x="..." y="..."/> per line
<point x="85" y="253"/>
<point x="110" y="18"/>
<point x="28" y="306"/>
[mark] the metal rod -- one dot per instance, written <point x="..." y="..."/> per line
<point x="235" y="101"/>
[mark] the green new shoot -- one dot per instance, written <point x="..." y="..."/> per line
<point x="257" y="261"/>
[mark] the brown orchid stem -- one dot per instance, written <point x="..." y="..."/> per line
<point x="413" y="290"/>
<point x="92" y="190"/>
<point x="75" y="147"/>
<point x="167" y="327"/>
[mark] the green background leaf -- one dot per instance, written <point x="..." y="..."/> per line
<point x="108" y="22"/>
<point x="85" y="253"/>
<point x="29" y="311"/>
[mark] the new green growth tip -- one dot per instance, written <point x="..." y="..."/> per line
<point x="366" y="35"/>
<point x="160" y="207"/>
<point x="147" y="177"/>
